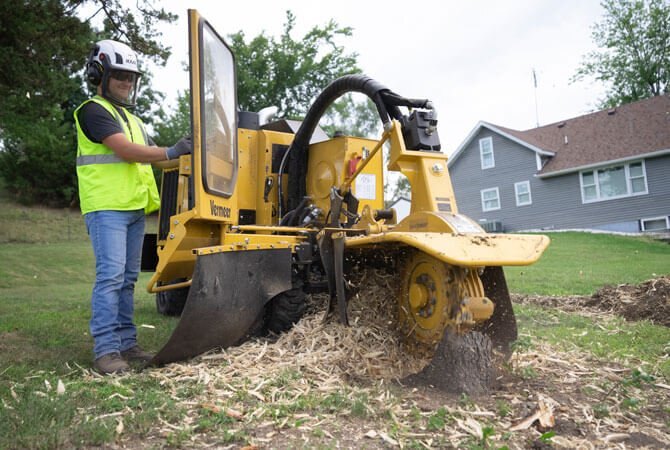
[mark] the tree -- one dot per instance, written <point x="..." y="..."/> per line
<point x="43" y="49"/>
<point x="634" y="60"/>
<point x="173" y="126"/>
<point x="288" y="73"/>
<point x="400" y="189"/>
<point x="353" y="115"/>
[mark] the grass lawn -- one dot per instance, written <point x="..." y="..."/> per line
<point x="45" y="307"/>
<point x="613" y="339"/>
<point x="581" y="263"/>
<point x="44" y="338"/>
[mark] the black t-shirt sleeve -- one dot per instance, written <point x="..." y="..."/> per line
<point x="97" y="123"/>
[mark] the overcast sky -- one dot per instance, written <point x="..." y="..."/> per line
<point x="474" y="59"/>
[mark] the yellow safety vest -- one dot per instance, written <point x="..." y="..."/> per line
<point x="107" y="182"/>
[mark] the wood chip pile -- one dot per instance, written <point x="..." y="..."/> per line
<point x="322" y="384"/>
<point x="326" y="351"/>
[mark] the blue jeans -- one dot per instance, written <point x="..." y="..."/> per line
<point x="117" y="238"/>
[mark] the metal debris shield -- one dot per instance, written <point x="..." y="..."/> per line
<point x="226" y="301"/>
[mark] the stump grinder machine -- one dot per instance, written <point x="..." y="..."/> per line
<point x="261" y="214"/>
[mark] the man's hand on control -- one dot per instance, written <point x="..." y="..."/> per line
<point x="182" y="147"/>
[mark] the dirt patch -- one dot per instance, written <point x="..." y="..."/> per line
<point x="649" y="300"/>
<point x="646" y="301"/>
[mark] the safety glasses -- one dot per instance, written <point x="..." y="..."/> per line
<point x="122" y="75"/>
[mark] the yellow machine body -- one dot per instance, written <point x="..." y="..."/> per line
<point x="223" y="201"/>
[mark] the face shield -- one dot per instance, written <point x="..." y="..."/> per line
<point x="121" y="86"/>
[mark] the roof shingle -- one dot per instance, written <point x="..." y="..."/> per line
<point x="624" y="132"/>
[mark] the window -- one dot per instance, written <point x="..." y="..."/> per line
<point x="490" y="199"/>
<point x="638" y="179"/>
<point x="486" y="153"/>
<point x="522" y="193"/>
<point x="655" y="224"/>
<point x="614" y="182"/>
<point x="218" y="113"/>
<point x="589" y="191"/>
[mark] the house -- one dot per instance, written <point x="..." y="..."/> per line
<point x="609" y="170"/>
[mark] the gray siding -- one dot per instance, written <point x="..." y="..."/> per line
<point x="556" y="201"/>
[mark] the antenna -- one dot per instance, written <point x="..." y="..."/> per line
<point x="537" y="117"/>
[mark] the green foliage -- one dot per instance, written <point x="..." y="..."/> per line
<point x="45" y="44"/>
<point x="290" y="73"/>
<point x="287" y="72"/>
<point x="546" y="437"/>
<point x="352" y="115"/>
<point x="634" y="59"/>
<point x="630" y="403"/>
<point x="138" y="30"/>
<point x="176" y="124"/>
<point x="638" y="378"/>
<point x="359" y="406"/>
<point x="487" y="433"/>
<point x="402" y="188"/>
<point x="38" y="164"/>
<point x="504" y="408"/>
<point x="41" y="46"/>
<point x="437" y="420"/>
<point x="527" y="372"/>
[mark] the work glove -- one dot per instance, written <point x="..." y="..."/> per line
<point x="182" y="147"/>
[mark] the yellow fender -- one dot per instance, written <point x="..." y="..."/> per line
<point x="456" y="239"/>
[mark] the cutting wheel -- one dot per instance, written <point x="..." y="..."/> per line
<point x="430" y="293"/>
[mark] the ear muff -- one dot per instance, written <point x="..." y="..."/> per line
<point x="94" y="73"/>
<point x="94" y="69"/>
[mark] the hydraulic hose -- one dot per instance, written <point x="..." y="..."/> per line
<point x="297" y="150"/>
<point x="386" y="102"/>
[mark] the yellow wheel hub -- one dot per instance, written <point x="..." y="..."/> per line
<point x="418" y="295"/>
<point x="430" y="294"/>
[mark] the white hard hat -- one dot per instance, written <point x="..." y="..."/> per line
<point x="107" y="57"/>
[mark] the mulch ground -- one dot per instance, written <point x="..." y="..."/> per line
<point x="277" y="391"/>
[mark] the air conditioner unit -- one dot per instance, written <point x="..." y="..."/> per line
<point x="492" y="226"/>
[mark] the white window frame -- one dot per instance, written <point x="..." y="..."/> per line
<point x="481" y="153"/>
<point x="483" y="191"/>
<point x="629" y="182"/>
<point x="516" y="193"/>
<point x="629" y="178"/>
<point x="649" y="219"/>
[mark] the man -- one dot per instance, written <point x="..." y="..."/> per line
<point x="116" y="190"/>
